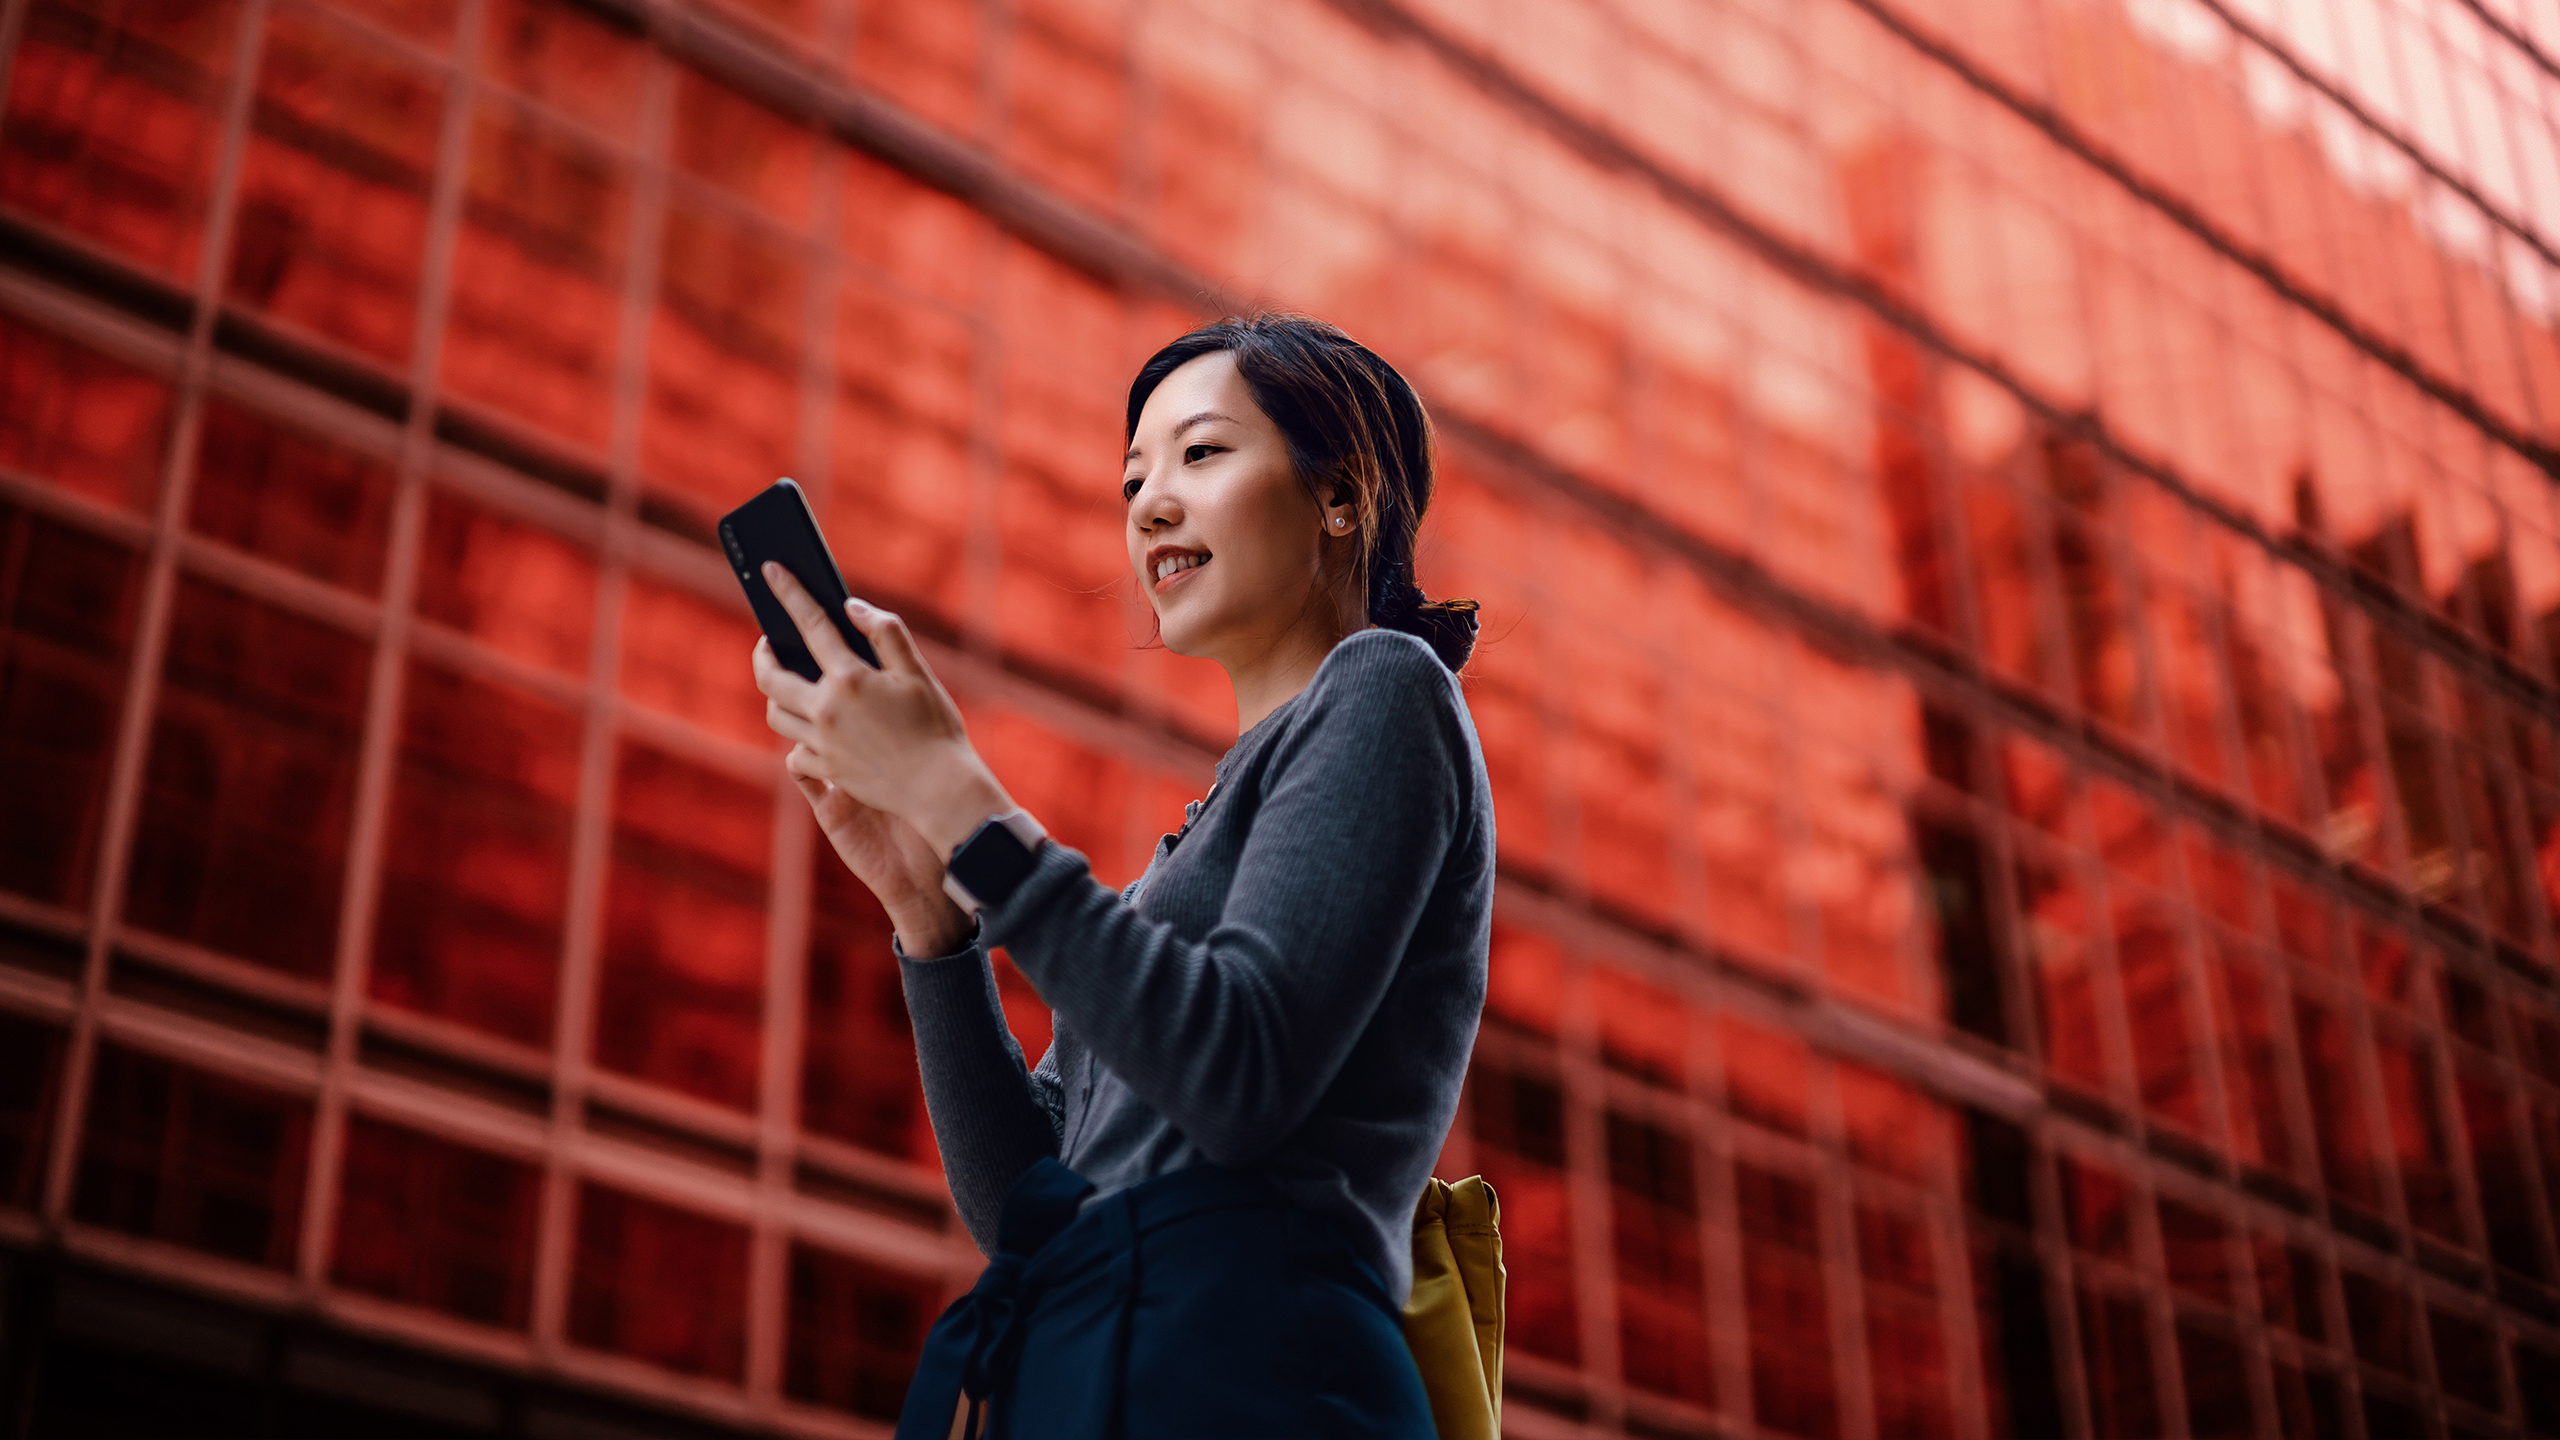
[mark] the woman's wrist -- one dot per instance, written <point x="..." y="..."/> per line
<point x="956" y="801"/>
<point x="931" y="927"/>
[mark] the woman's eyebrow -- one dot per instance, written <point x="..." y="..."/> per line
<point x="1202" y="418"/>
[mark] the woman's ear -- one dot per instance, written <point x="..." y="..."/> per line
<point x="1338" y="513"/>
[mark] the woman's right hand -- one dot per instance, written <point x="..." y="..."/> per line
<point x="886" y="854"/>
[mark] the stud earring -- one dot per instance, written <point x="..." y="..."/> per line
<point x="1339" y="522"/>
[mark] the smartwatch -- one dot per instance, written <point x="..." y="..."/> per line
<point x="994" y="861"/>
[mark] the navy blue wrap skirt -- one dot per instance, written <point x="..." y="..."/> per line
<point x="1198" y="1303"/>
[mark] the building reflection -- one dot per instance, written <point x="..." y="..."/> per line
<point x="2018" y="551"/>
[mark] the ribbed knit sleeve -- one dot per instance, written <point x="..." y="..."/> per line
<point x="991" y="1117"/>
<point x="1234" y="1037"/>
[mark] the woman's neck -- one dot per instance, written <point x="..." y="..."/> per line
<point x="1266" y="681"/>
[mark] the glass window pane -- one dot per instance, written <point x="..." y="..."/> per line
<point x="2502" y="1162"/>
<point x="544" y="213"/>
<point x="333" y="189"/>
<point x="2055" y="906"/>
<point x="1644" y="1029"/>
<point x="110" y="128"/>
<point x="475" y="878"/>
<point x="904" y="397"/>
<point x="1791" y="1381"/>
<point x="659" y="1284"/>
<point x="1067" y="108"/>
<point x="2097" y="1209"/>
<point x="312" y="505"/>
<point x="171" y="1153"/>
<point x="1766" y="1075"/>
<point x="722" y="136"/>
<point x="566" y="57"/>
<point x="30" y="1069"/>
<point x="926" y="57"/>
<point x="858" y="1062"/>
<point x="2413" y="1102"/>
<point x="2216" y="1372"/>
<point x="680" y="1000"/>
<point x="2115" y="1353"/>
<point x="2254" y="1059"/>
<point x="512" y="585"/>
<point x="2196" y="1244"/>
<point x="1065" y="591"/>
<point x="2466" y="1358"/>
<point x="249" y="792"/>
<point x="68" y="414"/>
<point x="2292" y="1290"/>
<point x="2016" y="1333"/>
<point x="1620" y="795"/>
<point x="68" y="604"/>
<point x="1662" y="1279"/>
<point x="723" y="416"/>
<point x="430" y="1222"/>
<point x="2347" y="1154"/>
<point x="1893" y="1128"/>
<point x="690" y="657"/>
<point x="1518" y="1126"/>
<point x="2381" y="1321"/>
<point x="1906" y="1352"/>
<point x="855" y="1332"/>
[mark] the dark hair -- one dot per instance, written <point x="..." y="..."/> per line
<point x="1355" y="430"/>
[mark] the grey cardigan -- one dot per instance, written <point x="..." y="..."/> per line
<point x="1292" y="986"/>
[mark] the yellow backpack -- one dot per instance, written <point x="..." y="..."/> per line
<point x="1454" y="1320"/>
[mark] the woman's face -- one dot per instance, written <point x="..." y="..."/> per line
<point x="1227" y="545"/>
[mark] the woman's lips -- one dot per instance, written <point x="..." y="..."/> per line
<point x="1178" y="576"/>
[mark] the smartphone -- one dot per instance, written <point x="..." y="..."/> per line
<point x="777" y="526"/>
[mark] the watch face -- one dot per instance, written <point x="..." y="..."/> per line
<point x="992" y="863"/>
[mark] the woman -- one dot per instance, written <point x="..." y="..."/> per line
<point x="1200" y="1201"/>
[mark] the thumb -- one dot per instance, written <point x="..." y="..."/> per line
<point x="888" y="636"/>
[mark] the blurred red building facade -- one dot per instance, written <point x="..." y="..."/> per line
<point x="2017" y="541"/>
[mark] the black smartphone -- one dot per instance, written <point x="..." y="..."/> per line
<point x="777" y="526"/>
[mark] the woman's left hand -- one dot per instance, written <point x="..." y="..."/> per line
<point x="890" y="738"/>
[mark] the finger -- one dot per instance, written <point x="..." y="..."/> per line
<point x="888" y="636"/>
<point x="825" y="642"/>
<point x="779" y="684"/>
<point x="789" y="726"/>
<point x="812" y="790"/>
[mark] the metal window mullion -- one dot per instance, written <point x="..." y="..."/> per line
<point x="2106" y="988"/>
<point x="2515" y="1096"/>
<point x="2013" y="947"/>
<point x="2440" y="1076"/>
<point x="2059" y="1273"/>
<point x="2196" y="980"/>
<point x="1595" y="1271"/>
<point x="2506" y="776"/>
<point x="1691" y="902"/>
<point x="2509" y="119"/>
<point x="591" y="841"/>
<point x="383" y="703"/>
<point x="2159" y="1303"/>
<point x="1795" y="826"/>
<point x="151" y="630"/>
<point x="1951" y="1256"/>
<point x="1852" y="1376"/>
<point x="1719" y="1226"/>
